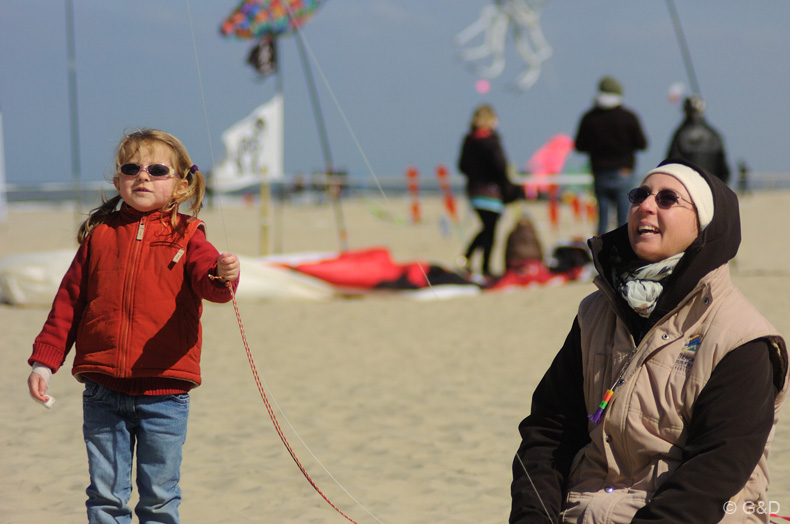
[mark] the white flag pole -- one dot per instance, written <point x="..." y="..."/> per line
<point x="275" y="169"/>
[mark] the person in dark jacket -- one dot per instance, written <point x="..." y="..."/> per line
<point x="662" y="402"/>
<point x="484" y="164"/>
<point x="610" y="134"/>
<point x="696" y="141"/>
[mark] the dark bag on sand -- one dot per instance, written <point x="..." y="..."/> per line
<point x="568" y="256"/>
<point x="523" y="245"/>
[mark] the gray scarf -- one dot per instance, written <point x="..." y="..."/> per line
<point x="641" y="287"/>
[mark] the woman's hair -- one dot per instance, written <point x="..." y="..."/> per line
<point x="185" y="169"/>
<point x="483" y="117"/>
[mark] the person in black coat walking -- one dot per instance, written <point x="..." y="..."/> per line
<point x="483" y="163"/>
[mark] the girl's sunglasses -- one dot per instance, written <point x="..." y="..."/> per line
<point x="664" y="199"/>
<point x="152" y="169"/>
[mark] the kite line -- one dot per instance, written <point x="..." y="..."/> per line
<point x="684" y="48"/>
<point x="259" y="381"/>
<point x="350" y="130"/>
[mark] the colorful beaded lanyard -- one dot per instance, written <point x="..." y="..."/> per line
<point x="595" y="418"/>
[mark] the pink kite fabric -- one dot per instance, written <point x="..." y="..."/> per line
<point x="374" y="268"/>
<point x="533" y="273"/>
<point x="550" y="158"/>
<point x="358" y="269"/>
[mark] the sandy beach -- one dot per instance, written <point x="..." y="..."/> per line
<point x="411" y="407"/>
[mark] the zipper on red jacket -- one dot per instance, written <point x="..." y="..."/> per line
<point x="128" y="300"/>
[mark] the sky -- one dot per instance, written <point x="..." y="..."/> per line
<point x="392" y="89"/>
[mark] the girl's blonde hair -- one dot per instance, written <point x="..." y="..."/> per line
<point x="185" y="169"/>
<point x="484" y="117"/>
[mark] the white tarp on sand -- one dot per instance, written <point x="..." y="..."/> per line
<point x="32" y="279"/>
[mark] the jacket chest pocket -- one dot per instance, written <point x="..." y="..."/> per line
<point x="657" y="401"/>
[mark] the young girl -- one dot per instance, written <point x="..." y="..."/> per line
<point x="131" y="304"/>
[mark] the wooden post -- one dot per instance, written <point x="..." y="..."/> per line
<point x="266" y="222"/>
<point x="449" y="200"/>
<point x="412" y="178"/>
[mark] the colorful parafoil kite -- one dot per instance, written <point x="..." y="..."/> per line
<point x="254" y="19"/>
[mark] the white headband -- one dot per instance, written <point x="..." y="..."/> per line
<point x="697" y="187"/>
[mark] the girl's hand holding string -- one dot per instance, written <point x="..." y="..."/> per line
<point x="228" y="267"/>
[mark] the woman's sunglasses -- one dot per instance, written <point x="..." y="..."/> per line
<point x="155" y="170"/>
<point x="664" y="199"/>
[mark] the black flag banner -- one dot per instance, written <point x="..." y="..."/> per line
<point x="263" y="57"/>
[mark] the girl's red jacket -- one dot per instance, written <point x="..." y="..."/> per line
<point x="131" y="303"/>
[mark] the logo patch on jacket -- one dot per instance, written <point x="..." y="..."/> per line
<point x="685" y="359"/>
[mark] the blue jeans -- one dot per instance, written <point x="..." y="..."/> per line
<point x="116" y="423"/>
<point x="611" y="191"/>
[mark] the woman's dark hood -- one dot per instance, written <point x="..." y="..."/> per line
<point x="717" y="244"/>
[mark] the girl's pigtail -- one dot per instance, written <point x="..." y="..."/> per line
<point x="97" y="216"/>
<point x="193" y="192"/>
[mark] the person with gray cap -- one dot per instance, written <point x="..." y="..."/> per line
<point x="663" y="401"/>
<point x="610" y="134"/>
<point x="698" y="142"/>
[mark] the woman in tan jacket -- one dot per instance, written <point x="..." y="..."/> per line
<point x="662" y="403"/>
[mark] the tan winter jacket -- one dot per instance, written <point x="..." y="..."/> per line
<point x="639" y="442"/>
